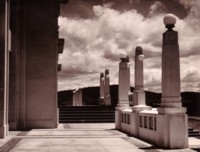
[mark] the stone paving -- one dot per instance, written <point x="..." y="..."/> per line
<point x="91" y="137"/>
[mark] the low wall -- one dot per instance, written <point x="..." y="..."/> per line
<point x="165" y="130"/>
<point x="194" y="122"/>
<point x="126" y="121"/>
<point x="140" y="124"/>
<point x="147" y="125"/>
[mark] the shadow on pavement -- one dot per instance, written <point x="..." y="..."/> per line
<point x="10" y="145"/>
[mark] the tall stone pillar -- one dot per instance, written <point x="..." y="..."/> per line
<point x="107" y="88"/>
<point x="80" y="102"/>
<point x="123" y="88"/>
<point x="4" y="66"/>
<point x="139" y="94"/>
<point x="74" y="97"/>
<point x="139" y="102"/>
<point x="102" y="83"/>
<point x="172" y="120"/>
<point x="124" y="81"/>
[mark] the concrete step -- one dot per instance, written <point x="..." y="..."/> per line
<point x="70" y="114"/>
<point x="89" y="121"/>
<point x="193" y="133"/>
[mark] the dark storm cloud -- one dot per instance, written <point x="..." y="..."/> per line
<point x="83" y="8"/>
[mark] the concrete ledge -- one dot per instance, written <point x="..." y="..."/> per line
<point x="194" y="122"/>
<point x="165" y="130"/>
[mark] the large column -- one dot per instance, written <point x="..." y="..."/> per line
<point x="123" y="88"/>
<point x="4" y="26"/>
<point x="172" y="120"/>
<point x="124" y="81"/>
<point x="139" y="94"/>
<point x="139" y="102"/>
<point x="102" y="83"/>
<point x="107" y="88"/>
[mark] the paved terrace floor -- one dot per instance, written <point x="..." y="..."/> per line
<point x="88" y="137"/>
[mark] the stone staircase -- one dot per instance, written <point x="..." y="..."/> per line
<point x="193" y="133"/>
<point x="81" y="114"/>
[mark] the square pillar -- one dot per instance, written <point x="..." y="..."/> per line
<point x="172" y="119"/>
<point x="124" y="82"/>
<point x="123" y="89"/>
<point x="107" y="99"/>
<point x="139" y="94"/>
<point x="102" y="95"/>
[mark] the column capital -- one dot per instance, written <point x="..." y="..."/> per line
<point x="170" y="37"/>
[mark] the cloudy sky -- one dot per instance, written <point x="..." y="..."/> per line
<point x="96" y="31"/>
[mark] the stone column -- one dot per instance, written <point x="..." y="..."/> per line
<point x="76" y="94"/>
<point x="74" y="97"/>
<point x="123" y="88"/>
<point x="124" y="81"/>
<point x="139" y="94"/>
<point x="76" y="101"/>
<point x="139" y="102"/>
<point x="80" y="103"/>
<point x="107" y="88"/>
<point x="102" y="83"/>
<point x="4" y="66"/>
<point x="172" y="120"/>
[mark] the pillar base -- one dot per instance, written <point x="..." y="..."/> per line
<point x="122" y="106"/>
<point x="3" y="131"/>
<point x="139" y="108"/>
<point x="118" y="119"/>
<point x="172" y="131"/>
<point x="101" y="101"/>
<point x="171" y="110"/>
<point x="118" y="116"/>
<point x="171" y="102"/>
<point x="135" y="118"/>
<point x="139" y="97"/>
<point x="107" y="101"/>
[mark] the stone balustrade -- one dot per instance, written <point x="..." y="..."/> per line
<point x="167" y="125"/>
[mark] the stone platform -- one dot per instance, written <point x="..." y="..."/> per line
<point x="81" y="137"/>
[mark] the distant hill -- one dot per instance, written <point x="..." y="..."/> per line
<point x="90" y="95"/>
<point x="65" y="97"/>
<point x="191" y="100"/>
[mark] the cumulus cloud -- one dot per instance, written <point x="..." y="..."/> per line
<point x="156" y="8"/>
<point x="93" y="44"/>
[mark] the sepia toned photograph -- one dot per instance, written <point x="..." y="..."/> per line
<point x="99" y="75"/>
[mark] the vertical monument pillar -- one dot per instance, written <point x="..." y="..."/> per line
<point x="139" y="102"/>
<point x="124" y="81"/>
<point x="102" y="83"/>
<point x="123" y="88"/>
<point x="80" y="103"/>
<point x="4" y="66"/>
<point x="107" y="88"/>
<point x="75" y="97"/>
<point x="172" y="120"/>
<point x="139" y="94"/>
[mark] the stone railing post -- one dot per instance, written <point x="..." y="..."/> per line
<point x="102" y="83"/>
<point x="107" y="88"/>
<point x="123" y="88"/>
<point x="172" y="119"/>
